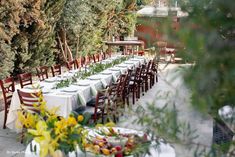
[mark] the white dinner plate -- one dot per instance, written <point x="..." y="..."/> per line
<point x="34" y="86"/>
<point x="122" y="66"/>
<point x="82" y="83"/>
<point x="106" y="73"/>
<point x="129" y="62"/>
<point x="46" y="90"/>
<point x="114" y="69"/>
<point x="94" y="77"/>
<point x="53" y="79"/>
<point x="70" y="89"/>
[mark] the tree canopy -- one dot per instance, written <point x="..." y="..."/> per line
<point x="30" y="30"/>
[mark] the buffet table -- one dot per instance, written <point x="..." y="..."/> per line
<point x="137" y="43"/>
<point x="77" y="94"/>
<point x="162" y="149"/>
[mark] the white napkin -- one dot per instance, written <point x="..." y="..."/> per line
<point x="104" y="83"/>
<point x="114" y="77"/>
<point x="93" y="90"/>
<point x="81" y="98"/>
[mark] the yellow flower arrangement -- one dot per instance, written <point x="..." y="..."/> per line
<point x="51" y="131"/>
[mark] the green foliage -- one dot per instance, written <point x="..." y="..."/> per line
<point x="36" y="41"/>
<point x="27" y="29"/>
<point x="6" y="61"/>
<point x="27" y="34"/>
<point x="9" y="21"/>
<point x="88" y="23"/>
<point x="208" y="36"/>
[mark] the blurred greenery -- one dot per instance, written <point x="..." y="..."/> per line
<point x="208" y="36"/>
<point x="206" y="40"/>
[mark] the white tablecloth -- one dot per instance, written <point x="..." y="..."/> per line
<point x="70" y="98"/>
<point x="162" y="150"/>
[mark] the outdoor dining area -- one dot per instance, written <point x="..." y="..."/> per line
<point x="131" y="78"/>
<point x="96" y="86"/>
<point x="117" y="78"/>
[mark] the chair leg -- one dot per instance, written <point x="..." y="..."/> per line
<point x="146" y="85"/>
<point x="156" y="78"/>
<point x="127" y="100"/>
<point x="133" y="96"/>
<point x="102" y="116"/>
<point x="5" y="120"/>
<point x="138" y="91"/>
<point x="143" y="89"/>
<point x="153" y="80"/>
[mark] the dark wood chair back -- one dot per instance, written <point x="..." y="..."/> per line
<point x="56" y="70"/>
<point x="89" y="58"/>
<point x="78" y="63"/>
<point x="98" y="57"/>
<point x="42" y="73"/>
<point x="71" y="65"/>
<point x="83" y="61"/>
<point x="100" y="106"/>
<point x="8" y="88"/>
<point x="25" y="79"/>
<point x="94" y="58"/>
<point x="29" y="101"/>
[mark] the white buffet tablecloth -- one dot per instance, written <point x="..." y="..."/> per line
<point x="162" y="149"/>
<point x="79" y="93"/>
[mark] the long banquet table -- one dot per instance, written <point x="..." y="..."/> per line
<point x="77" y="94"/>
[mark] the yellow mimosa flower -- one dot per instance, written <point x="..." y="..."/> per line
<point x="71" y="121"/>
<point x="41" y="126"/>
<point x="80" y="118"/>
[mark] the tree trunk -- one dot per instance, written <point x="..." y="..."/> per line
<point x="62" y="49"/>
<point x="69" y="52"/>
<point x="77" y="55"/>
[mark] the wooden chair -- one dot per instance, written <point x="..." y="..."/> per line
<point x="78" y="63"/>
<point x="8" y="88"/>
<point x="88" y="59"/>
<point x="153" y="73"/>
<point x="146" y="76"/>
<point x="42" y="73"/>
<point x="140" y="53"/>
<point x="96" y="57"/>
<point x="29" y="101"/>
<point x="117" y="88"/>
<point x="56" y="70"/>
<point x="83" y="61"/>
<point x="133" y="85"/>
<point x="97" y="110"/>
<point x="71" y="65"/>
<point x="140" y="81"/>
<point x="126" y="91"/>
<point x="25" y="79"/>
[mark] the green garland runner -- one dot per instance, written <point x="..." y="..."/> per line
<point x="91" y="70"/>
